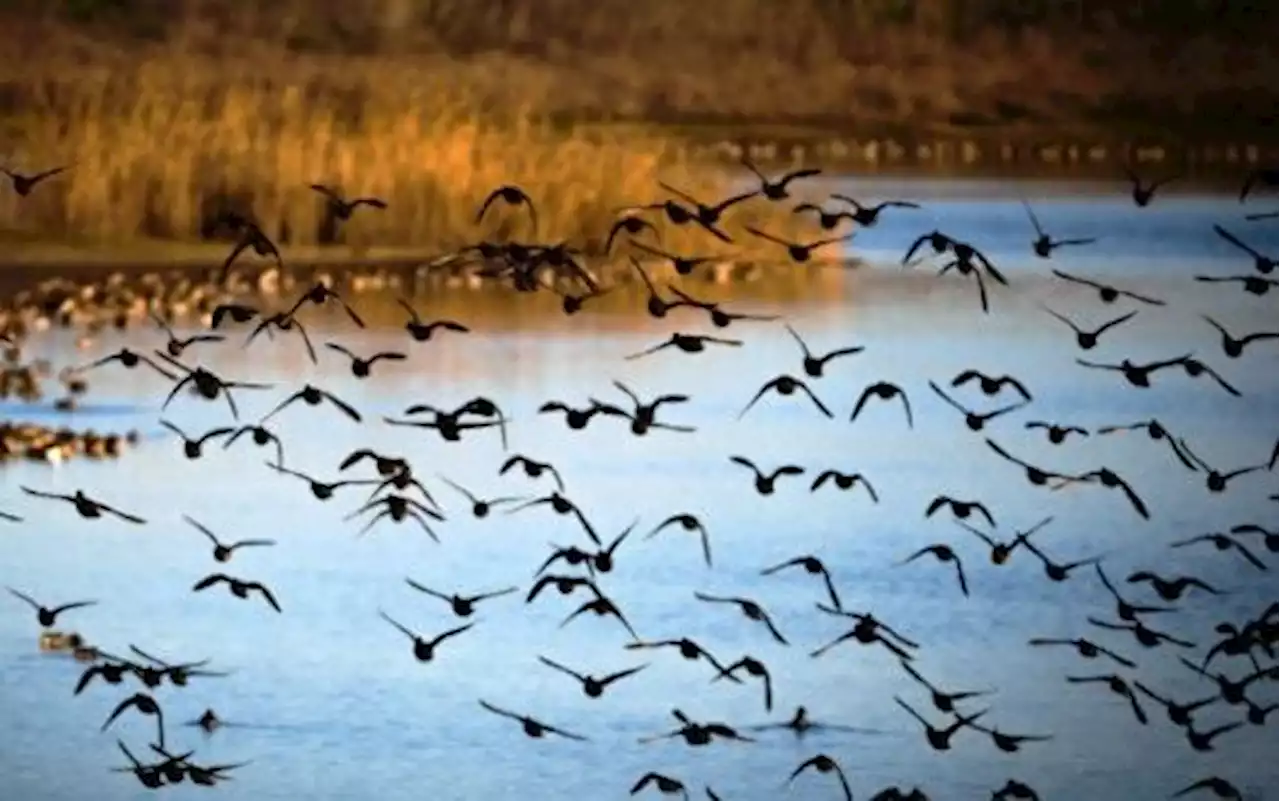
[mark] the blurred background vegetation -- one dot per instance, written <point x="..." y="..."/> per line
<point x="171" y="108"/>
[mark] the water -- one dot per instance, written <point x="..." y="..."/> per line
<point x="335" y="707"/>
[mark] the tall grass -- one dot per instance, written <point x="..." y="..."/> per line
<point x="158" y="150"/>
<point x="171" y="110"/>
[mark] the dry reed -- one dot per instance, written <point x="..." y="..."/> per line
<point x="157" y="150"/>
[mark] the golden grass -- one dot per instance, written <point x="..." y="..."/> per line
<point x="160" y="146"/>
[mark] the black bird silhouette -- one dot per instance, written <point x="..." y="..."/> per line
<point x="1106" y="292"/>
<point x="85" y="506"/>
<point x="423" y="331"/>
<point x="1156" y="431"/>
<point x="531" y="727"/>
<point x="1125" y="610"/>
<point x="682" y="265"/>
<point x="866" y="631"/>
<point x="223" y="552"/>
<point x="1085" y="648"/>
<point x="592" y="686"/>
<point x="962" y="510"/>
<point x="1144" y="193"/>
<point x="756" y="669"/>
<point x="462" y="605"/>
<point x="1268" y="177"/>
<point x="698" y="734"/>
<point x="320" y="490"/>
<point x="565" y="585"/>
<point x="128" y="359"/>
<point x="282" y="321"/>
<point x="1171" y="589"/>
<point x="1179" y="714"/>
<point x="207" y="385"/>
<point x="398" y="508"/>
<point x="844" y="481"/>
<point x="690" y="523"/>
<point x="973" y="420"/>
<point x="1203" y="740"/>
<point x="1088" y="339"/>
<point x="1035" y="476"/>
<point x="235" y="312"/>
<point x="480" y="507"/>
<point x="1109" y="479"/>
<point x="720" y="318"/>
<point x="1222" y="542"/>
<point x="943" y="553"/>
<point x="749" y="609"/>
<point x="868" y="216"/>
<point x="318" y="294"/>
<point x="798" y="252"/>
<point x="261" y="436"/>
<point x="827" y="220"/>
<point x="1146" y="637"/>
<point x="250" y="237"/>
<point x="146" y="705"/>
<point x="602" y="607"/>
<point x="991" y="385"/>
<point x="1194" y="368"/>
<point x="1261" y="263"/>
<point x="238" y="587"/>
<point x="561" y="506"/>
<point x="47" y="616"/>
<point x="175" y="346"/>
<point x="1251" y="284"/>
<point x="630" y="225"/>
<point x="1117" y="686"/>
<point x="1137" y="375"/>
<point x="1044" y="245"/>
<point x="360" y="367"/>
<point x="883" y="390"/>
<point x="24" y="184"/>
<point x="148" y="776"/>
<point x="777" y="189"/>
<point x="643" y="416"/>
<point x="689" y="650"/>
<point x="801" y="724"/>
<point x="1270" y="537"/>
<point x="679" y="216"/>
<point x="940" y="739"/>
<point x="764" y="482"/>
<point x="424" y="650"/>
<point x="1059" y="572"/>
<point x="1215" y="480"/>
<point x="687" y="343"/>
<point x="814" y="567"/>
<point x="194" y="448"/>
<point x="942" y="701"/>
<point x="1232" y="346"/>
<point x="1011" y="743"/>
<point x="340" y="207"/>
<point x="814" y="365"/>
<point x="1001" y="551"/>
<point x="532" y="468"/>
<point x="708" y="216"/>
<point x="312" y="395"/>
<point x="663" y="784"/>
<point x="1217" y="785"/>
<point x="511" y="196"/>
<point x="786" y="386"/>
<point x="1054" y="432"/>
<point x="575" y="418"/>
<point x="824" y="764"/>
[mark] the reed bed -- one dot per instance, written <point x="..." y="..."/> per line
<point x="159" y="148"/>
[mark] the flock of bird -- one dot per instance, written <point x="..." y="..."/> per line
<point x="400" y="494"/>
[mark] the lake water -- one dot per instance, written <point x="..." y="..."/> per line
<point x="334" y="706"/>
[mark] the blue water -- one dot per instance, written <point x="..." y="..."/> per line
<point x="334" y="706"/>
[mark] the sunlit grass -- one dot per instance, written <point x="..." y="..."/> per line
<point x="158" y="148"/>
